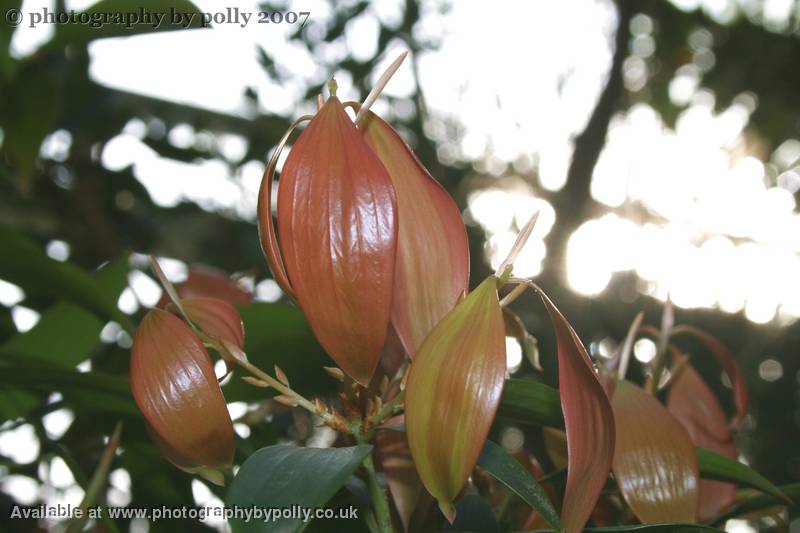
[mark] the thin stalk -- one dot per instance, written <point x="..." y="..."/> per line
<point x="660" y="360"/>
<point x="379" y="500"/>
<point x="283" y="389"/>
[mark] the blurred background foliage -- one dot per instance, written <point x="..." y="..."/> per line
<point x="75" y="228"/>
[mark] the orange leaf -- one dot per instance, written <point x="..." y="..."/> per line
<point x="694" y="405"/>
<point x="394" y="458"/>
<point x="453" y="391"/>
<point x="337" y="223"/>
<point x="216" y="318"/>
<point x="655" y="464"/>
<point x="207" y="282"/>
<point x="173" y="383"/>
<point x="432" y="269"/>
<point x="588" y="420"/>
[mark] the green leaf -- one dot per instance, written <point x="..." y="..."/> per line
<point x="92" y="391"/>
<point x="26" y="265"/>
<point x="528" y="402"/>
<point x="65" y="335"/>
<point x="718" y="467"/>
<point x="277" y="334"/>
<point x="757" y="503"/>
<point x="508" y="471"/>
<point x="282" y="476"/>
<point x="190" y="16"/>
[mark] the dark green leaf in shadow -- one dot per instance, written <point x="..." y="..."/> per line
<point x="282" y="476"/>
<point x="718" y="467"/>
<point x="528" y="402"/>
<point x="508" y="471"/>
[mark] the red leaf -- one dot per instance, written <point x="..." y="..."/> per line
<point x="432" y="269"/>
<point x="453" y="391"/>
<point x="337" y="223"/>
<point x="588" y="420"/>
<point x="728" y="364"/>
<point x="655" y="464"/>
<point x="173" y="383"/>
<point x="694" y="405"/>
<point x="206" y="282"/>
<point x="216" y="318"/>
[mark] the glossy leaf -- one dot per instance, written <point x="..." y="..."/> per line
<point x="728" y="364"/>
<point x="215" y="318"/>
<point x="529" y="402"/>
<point x="588" y="420"/>
<point x="337" y="223"/>
<point x="173" y="383"/>
<point x="655" y="465"/>
<point x="695" y="406"/>
<point x="508" y="471"/>
<point x="716" y="466"/>
<point x="394" y="459"/>
<point x="432" y="269"/>
<point x="278" y="477"/>
<point x="453" y="391"/>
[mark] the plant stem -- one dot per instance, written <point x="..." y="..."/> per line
<point x="283" y="389"/>
<point x="379" y="501"/>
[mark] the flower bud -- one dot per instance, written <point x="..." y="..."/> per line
<point x="432" y="269"/>
<point x="337" y="226"/>
<point x="173" y="383"/>
<point x="453" y="391"/>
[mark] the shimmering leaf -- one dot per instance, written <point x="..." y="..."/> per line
<point x="694" y="405"/>
<point x="173" y="383"/>
<point x="588" y="420"/>
<point x="453" y="391"/>
<point x="337" y="223"/>
<point x="655" y="465"/>
<point x="432" y="269"/>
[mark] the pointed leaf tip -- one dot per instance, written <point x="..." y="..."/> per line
<point x="453" y="390"/>
<point x="588" y="420"/>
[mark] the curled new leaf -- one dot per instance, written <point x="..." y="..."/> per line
<point x="432" y="269"/>
<point x="173" y="383"/>
<point x="337" y="224"/>
<point x="694" y="405"/>
<point x="588" y="420"/>
<point x="453" y="391"/>
<point x="655" y="464"/>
